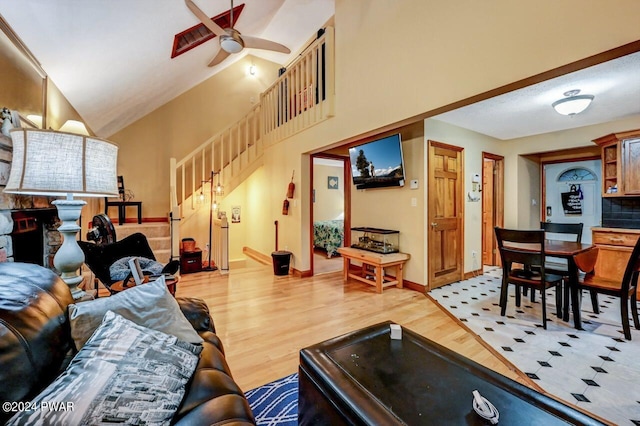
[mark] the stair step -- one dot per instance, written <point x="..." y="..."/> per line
<point x="150" y="230"/>
<point x="159" y="243"/>
<point x="162" y="256"/>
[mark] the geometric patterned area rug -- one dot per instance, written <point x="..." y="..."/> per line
<point x="276" y="403"/>
<point x="595" y="368"/>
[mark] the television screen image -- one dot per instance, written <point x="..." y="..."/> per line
<point x="378" y="163"/>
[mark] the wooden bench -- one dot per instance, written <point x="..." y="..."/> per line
<point x="377" y="262"/>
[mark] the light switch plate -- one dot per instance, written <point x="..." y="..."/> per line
<point x="413" y="184"/>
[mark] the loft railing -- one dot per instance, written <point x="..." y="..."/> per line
<point x="300" y="98"/>
<point x="304" y="95"/>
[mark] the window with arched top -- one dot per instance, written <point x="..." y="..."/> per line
<point x="576" y="174"/>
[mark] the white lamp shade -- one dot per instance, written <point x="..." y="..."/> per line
<point x="51" y="163"/>
<point x="572" y="105"/>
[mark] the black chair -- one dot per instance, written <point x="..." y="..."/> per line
<point x="522" y="254"/>
<point x="100" y="257"/>
<point x="626" y="289"/>
<point x="573" y="231"/>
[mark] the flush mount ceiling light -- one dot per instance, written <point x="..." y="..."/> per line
<point x="573" y="104"/>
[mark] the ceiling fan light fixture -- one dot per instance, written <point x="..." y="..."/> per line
<point x="573" y="103"/>
<point x="231" y="43"/>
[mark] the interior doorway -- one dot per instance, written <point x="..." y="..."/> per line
<point x="492" y="206"/>
<point x="581" y="181"/>
<point x="445" y="214"/>
<point x="329" y="212"/>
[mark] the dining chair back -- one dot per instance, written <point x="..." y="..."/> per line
<point x="522" y="254"/>
<point x="626" y="290"/>
<point x="554" y="265"/>
<point x="574" y="229"/>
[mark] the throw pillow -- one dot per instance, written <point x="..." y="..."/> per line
<point x="119" y="270"/>
<point x="149" y="305"/>
<point x="124" y="374"/>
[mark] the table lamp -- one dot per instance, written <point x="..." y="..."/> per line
<point x="51" y="163"/>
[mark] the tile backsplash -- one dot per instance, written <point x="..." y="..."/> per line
<point x="621" y="212"/>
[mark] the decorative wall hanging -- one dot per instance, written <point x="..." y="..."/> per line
<point x="572" y="201"/>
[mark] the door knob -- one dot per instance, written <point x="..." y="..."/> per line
<point x="433" y="224"/>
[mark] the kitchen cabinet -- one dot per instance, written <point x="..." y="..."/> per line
<point x="620" y="163"/>
<point x="615" y="246"/>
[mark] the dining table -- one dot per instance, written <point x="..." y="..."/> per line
<point x="579" y="256"/>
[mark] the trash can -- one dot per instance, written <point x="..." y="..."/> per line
<point x="281" y="260"/>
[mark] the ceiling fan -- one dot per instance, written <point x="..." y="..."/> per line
<point x="231" y="41"/>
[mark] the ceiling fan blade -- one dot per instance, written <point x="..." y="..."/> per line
<point x="221" y="56"/>
<point x="260" y="43"/>
<point x="213" y="27"/>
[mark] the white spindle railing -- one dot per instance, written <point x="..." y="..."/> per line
<point x="300" y="98"/>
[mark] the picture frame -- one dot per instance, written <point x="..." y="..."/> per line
<point x="235" y="214"/>
<point x="333" y="182"/>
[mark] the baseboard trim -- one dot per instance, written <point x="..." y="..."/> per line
<point x="302" y="274"/>
<point x="472" y="274"/>
<point x="257" y="256"/>
<point x="421" y="288"/>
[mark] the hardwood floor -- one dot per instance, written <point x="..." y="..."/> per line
<point x="323" y="264"/>
<point x="264" y="320"/>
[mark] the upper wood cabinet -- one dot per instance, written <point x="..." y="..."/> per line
<point x="620" y="163"/>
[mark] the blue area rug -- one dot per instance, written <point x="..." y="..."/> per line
<point x="276" y="403"/>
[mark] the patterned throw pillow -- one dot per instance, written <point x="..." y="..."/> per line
<point x="124" y="374"/>
<point x="149" y="305"/>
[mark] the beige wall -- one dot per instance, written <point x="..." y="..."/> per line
<point x="391" y="208"/>
<point x="474" y="144"/>
<point x="448" y="51"/>
<point x="181" y="125"/>
<point x="329" y="203"/>
<point x="22" y="91"/>
<point x="457" y="50"/>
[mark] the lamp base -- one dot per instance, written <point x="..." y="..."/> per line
<point x="208" y="267"/>
<point x="69" y="257"/>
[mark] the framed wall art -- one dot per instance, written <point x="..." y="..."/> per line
<point x="332" y="182"/>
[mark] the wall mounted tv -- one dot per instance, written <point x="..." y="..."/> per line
<point x="378" y="163"/>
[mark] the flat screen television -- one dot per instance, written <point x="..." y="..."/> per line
<point x="378" y="163"/>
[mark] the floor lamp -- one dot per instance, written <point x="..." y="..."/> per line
<point x="212" y="207"/>
<point x="54" y="164"/>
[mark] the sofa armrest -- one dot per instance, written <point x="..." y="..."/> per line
<point x="197" y="313"/>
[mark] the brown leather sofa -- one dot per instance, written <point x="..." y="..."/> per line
<point x="36" y="346"/>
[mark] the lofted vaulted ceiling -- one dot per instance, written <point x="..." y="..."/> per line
<point x="112" y="59"/>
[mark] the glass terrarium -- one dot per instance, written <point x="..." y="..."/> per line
<point x="375" y="239"/>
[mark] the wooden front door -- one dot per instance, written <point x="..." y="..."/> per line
<point x="445" y="214"/>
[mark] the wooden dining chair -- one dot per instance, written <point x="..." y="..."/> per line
<point x="570" y="232"/>
<point x="626" y="290"/>
<point x="523" y="266"/>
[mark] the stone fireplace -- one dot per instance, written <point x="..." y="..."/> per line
<point x="28" y="230"/>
